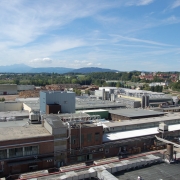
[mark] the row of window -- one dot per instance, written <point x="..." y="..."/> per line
<point x="18" y="152"/>
<point x="85" y="157"/>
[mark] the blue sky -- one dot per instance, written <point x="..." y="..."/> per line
<point x="117" y="34"/>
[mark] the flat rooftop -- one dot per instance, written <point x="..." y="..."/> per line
<point x="132" y="113"/>
<point x="167" y="117"/>
<point x="22" y="132"/>
<point x="8" y="114"/>
<point x="54" y="120"/>
<point x="13" y="123"/>
<point x="34" y="105"/>
<point x="161" y="171"/>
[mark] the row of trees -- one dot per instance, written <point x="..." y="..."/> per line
<point x="99" y="79"/>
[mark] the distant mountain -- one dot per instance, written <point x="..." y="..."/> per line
<point x="22" y="68"/>
<point x="60" y="70"/>
<point x="15" y="68"/>
<point x="92" y="69"/>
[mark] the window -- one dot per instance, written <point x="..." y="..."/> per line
<point x="106" y="151"/>
<point x="15" y="152"/>
<point x="97" y="136"/>
<point x="81" y="158"/>
<point x="3" y="154"/>
<point x="89" y="137"/>
<point x="31" y="150"/>
<point x="73" y="140"/>
<point x="89" y="156"/>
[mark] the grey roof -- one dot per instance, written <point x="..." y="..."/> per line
<point x="162" y="171"/>
<point x="167" y="117"/>
<point x="54" y="120"/>
<point x="8" y="114"/>
<point x="135" y="112"/>
<point x="34" y="105"/>
<point x="22" y="132"/>
<point x="13" y="123"/>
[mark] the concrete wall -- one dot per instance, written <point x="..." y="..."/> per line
<point x="11" y="106"/>
<point x="65" y="99"/>
<point x="8" y="89"/>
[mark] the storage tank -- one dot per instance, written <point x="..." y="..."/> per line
<point x="143" y="102"/>
<point x="146" y="101"/>
<point x="170" y="152"/>
<point x="103" y="94"/>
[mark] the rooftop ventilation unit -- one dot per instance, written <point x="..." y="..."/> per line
<point x="163" y="127"/>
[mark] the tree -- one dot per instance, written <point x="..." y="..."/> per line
<point x="16" y="81"/>
<point x="118" y="84"/>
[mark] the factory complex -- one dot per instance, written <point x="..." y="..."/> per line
<point x="61" y="136"/>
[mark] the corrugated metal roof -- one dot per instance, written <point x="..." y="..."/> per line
<point x="136" y="133"/>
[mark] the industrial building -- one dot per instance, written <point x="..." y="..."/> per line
<point x="10" y="89"/>
<point x="127" y="114"/>
<point x="24" y="148"/>
<point x="25" y="87"/>
<point x="57" y="102"/>
<point x="88" y="103"/>
<point x="11" y="106"/>
<point x="72" y="138"/>
<point x="6" y="89"/>
<point x="45" y="140"/>
<point x="135" y="98"/>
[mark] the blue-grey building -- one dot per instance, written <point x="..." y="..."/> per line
<point x="65" y="99"/>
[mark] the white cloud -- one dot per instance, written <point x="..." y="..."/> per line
<point x="175" y="4"/>
<point x="41" y="60"/>
<point x="89" y="64"/>
<point x="138" y="2"/>
<point x="131" y="39"/>
<point x="144" y="2"/>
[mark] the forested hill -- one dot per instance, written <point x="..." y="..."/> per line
<point x="92" y="70"/>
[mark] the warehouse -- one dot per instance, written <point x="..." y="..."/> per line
<point x="11" y="106"/>
<point x="127" y="114"/>
<point x="25" y="87"/>
<point x="6" y="89"/>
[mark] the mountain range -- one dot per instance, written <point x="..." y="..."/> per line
<point x="22" y="68"/>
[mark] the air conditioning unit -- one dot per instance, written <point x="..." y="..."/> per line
<point x="93" y="151"/>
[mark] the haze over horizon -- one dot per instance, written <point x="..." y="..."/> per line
<point x="124" y="35"/>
